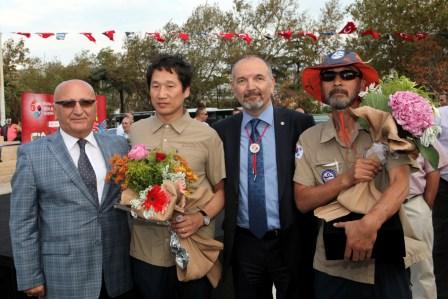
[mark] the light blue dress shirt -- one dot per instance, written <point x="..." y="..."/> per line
<point x="270" y="169"/>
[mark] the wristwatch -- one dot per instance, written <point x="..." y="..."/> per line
<point x="205" y="217"/>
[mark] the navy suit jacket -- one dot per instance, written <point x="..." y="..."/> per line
<point x="61" y="236"/>
<point x="298" y="231"/>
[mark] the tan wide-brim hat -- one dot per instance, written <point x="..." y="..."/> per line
<point x="311" y="75"/>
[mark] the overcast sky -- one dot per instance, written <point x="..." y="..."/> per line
<point x="96" y="16"/>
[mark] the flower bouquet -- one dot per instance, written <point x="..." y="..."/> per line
<point x="154" y="182"/>
<point x="412" y="112"/>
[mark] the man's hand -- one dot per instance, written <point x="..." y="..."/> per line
<point x="361" y="236"/>
<point x="186" y="225"/>
<point x="363" y="170"/>
<point x="38" y="291"/>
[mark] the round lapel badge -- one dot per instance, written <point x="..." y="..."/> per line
<point x="254" y="148"/>
<point x="299" y="152"/>
<point x="327" y="175"/>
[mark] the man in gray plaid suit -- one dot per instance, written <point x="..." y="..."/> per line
<point x="68" y="241"/>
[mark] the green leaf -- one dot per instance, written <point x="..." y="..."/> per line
<point x="429" y="153"/>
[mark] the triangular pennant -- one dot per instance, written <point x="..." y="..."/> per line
<point x="227" y="35"/>
<point x="89" y="36"/>
<point x="109" y="34"/>
<point x="184" y="36"/>
<point x="372" y="33"/>
<point x="421" y="35"/>
<point x="45" y="34"/>
<point x="26" y="34"/>
<point x="406" y="36"/>
<point x="350" y="27"/>
<point x="157" y="36"/>
<point x="286" y="34"/>
<point x="308" y="34"/>
<point x="246" y="37"/>
<point x="60" y="35"/>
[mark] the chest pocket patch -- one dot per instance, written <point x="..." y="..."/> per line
<point x="327" y="175"/>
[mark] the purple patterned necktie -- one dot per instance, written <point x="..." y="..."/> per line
<point x="86" y="170"/>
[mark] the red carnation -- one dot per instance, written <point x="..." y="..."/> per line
<point x="160" y="157"/>
<point x="156" y="198"/>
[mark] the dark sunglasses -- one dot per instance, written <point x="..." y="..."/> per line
<point x="345" y="75"/>
<point x="72" y="103"/>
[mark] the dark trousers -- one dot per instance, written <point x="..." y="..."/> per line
<point x="153" y="282"/>
<point x="392" y="281"/>
<point x="105" y="295"/>
<point x="440" y="249"/>
<point x="258" y="264"/>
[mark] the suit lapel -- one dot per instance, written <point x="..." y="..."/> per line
<point x="107" y="154"/>
<point x="59" y="150"/>
<point x="281" y="146"/>
<point x="235" y="148"/>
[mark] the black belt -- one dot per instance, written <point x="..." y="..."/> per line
<point x="269" y="235"/>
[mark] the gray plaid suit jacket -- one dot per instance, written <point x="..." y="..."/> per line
<point x="61" y="236"/>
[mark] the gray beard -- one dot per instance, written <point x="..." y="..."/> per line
<point x="252" y="106"/>
<point x="337" y="104"/>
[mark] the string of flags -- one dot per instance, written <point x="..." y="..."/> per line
<point x="349" y="28"/>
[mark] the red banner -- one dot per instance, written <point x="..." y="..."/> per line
<point x="38" y="118"/>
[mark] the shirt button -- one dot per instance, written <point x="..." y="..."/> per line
<point x="164" y="140"/>
<point x="167" y="126"/>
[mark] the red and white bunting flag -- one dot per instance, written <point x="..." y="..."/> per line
<point x="184" y="36"/>
<point x="246" y="37"/>
<point x="421" y="35"/>
<point x="89" y="36"/>
<point x="45" y="34"/>
<point x="372" y="33"/>
<point x="109" y="34"/>
<point x="286" y="34"/>
<point x="227" y="35"/>
<point x="308" y="34"/>
<point x="406" y="36"/>
<point x="26" y="34"/>
<point x="157" y="36"/>
<point x="350" y="27"/>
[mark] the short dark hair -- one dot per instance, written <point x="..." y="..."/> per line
<point x="171" y="63"/>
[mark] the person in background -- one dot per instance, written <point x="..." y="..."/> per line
<point x="236" y="110"/>
<point x="423" y="188"/>
<point x="126" y="123"/>
<point x="201" y="114"/>
<point x="440" y="216"/>
<point x="120" y="129"/>
<point x="267" y="242"/>
<point x="443" y="100"/>
<point x="68" y="241"/>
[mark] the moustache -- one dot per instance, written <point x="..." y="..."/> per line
<point x="338" y="90"/>
<point x="251" y="93"/>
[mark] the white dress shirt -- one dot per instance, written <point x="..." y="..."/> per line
<point x="94" y="154"/>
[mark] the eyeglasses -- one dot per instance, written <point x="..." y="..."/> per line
<point x="84" y="103"/>
<point x="345" y="75"/>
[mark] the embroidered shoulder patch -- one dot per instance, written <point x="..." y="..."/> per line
<point x="299" y="152"/>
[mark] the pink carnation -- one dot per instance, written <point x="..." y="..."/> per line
<point x="138" y="152"/>
<point x="411" y="111"/>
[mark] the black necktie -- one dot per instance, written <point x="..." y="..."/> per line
<point x="86" y="170"/>
<point x="255" y="192"/>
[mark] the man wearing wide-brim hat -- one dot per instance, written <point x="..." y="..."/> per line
<point x="330" y="158"/>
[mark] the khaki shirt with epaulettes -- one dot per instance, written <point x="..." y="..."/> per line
<point x="320" y="157"/>
<point x="202" y="148"/>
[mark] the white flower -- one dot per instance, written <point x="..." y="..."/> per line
<point x="430" y="135"/>
<point x="372" y="88"/>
